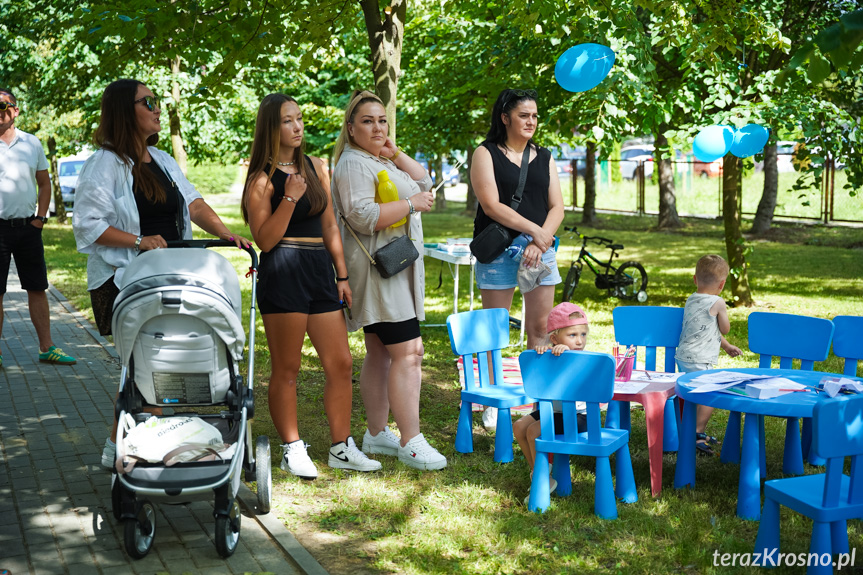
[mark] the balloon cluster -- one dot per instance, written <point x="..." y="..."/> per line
<point x="713" y="142"/>
<point x="583" y="67"/>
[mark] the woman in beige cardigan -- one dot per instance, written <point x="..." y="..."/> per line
<point x="388" y="310"/>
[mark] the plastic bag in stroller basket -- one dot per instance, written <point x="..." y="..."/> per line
<point x="170" y="440"/>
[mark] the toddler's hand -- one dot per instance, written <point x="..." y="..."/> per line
<point x="732" y="350"/>
<point x="559" y="349"/>
<point x="541" y="349"/>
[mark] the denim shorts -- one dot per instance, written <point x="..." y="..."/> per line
<point x="690" y="366"/>
<point x="502" y="273"/>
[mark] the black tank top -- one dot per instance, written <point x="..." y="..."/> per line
<point x="302" y="225"/>
<point x="159" y="218"/>
<point x="534" y="199"/>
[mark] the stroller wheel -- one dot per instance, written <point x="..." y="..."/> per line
<point x="228" y="531"/>
<point x="139" y="532"/>
<point x="263" y="473"/>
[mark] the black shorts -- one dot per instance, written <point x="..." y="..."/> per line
<point x="393" y="333"/>
<point x="24" y="243"/>
<point x="297" y="277"/>
<point x="580" y="419"/>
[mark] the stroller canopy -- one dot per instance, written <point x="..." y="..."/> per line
<point x="185" y="281"/>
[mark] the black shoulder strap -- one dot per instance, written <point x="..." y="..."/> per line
<point x="522" y="178"/>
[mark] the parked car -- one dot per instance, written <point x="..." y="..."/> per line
<point x="707" y="169"/>
<point x="563" y="157"/>
<point x="634" y="156"/>
<point x="68" y="170"/>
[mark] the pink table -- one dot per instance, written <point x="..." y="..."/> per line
<point x="661" y="429"/>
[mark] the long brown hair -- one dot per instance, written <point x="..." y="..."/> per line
<point x="265" y="148"/>
<point x="118" y="132"/>
<point x="358" y="98"/>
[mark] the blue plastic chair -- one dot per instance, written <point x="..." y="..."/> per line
<point x="479" y="332"/>
<point x="848" y="341"/>
<point x="830" y="498"/>
<point x="584" y="376"/>
<point x="788" y="337"/>
<point x="651" y="327"/>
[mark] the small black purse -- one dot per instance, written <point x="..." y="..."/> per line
<point x="494" y="238"/>
<point x="394" y="257"/>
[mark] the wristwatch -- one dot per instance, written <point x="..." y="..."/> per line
<point x="43" y="219"/>
<point x="138" y="243"/>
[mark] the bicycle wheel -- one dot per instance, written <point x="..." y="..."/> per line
<point x="631" y="281"/>
<point x="571" y="282"/>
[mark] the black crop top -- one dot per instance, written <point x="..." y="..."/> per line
<point x="534" y="199"/>
<point x="302" y="225"/>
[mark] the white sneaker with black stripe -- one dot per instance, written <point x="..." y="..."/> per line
<point x="296" y="460"/>
<point x="345" y="455"/>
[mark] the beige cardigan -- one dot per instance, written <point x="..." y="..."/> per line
<point x="376" y="299"/>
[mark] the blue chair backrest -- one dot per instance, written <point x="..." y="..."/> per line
<point x="838" y="433"/>
<point x="572" y="376"/>
<point x="848" y="341"/>
<point x="477" y="332"/>
<point x="652" y="327"/>
<point x="789" y="337"/>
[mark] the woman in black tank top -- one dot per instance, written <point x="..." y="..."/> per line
<point x="495" y="174"/>
<point x="286" y="202"/>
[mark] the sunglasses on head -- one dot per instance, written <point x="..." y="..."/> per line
<point x="152" y="102"/>
<point x="516" y="95"/>
<point x="6" y="105"/>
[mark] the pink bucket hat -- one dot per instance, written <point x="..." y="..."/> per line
<point x="559" y="316"/>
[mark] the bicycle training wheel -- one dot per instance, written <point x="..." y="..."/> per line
<point x="631" y="282"/>
<point x="570" y="283"/>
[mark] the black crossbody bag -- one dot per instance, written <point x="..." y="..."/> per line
<point x="394" y="257"/>
<point x="494" y="239"/>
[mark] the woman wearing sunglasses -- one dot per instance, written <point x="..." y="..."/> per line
<point x="387" y="309"/>
<point x="495" y="173"/>
<point x="286" y="201"/>
<point x="132" y="197"/>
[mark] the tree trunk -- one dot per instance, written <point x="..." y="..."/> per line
<point x="588" y="215"/>
<point x="471" y="201"/>
<point x="59" y="206"/>
<point x="440" y="196"/>
<point x="668" y="218"/>
<point x="174" y="116"/>
<point x="385" y="42"/>
<point x="738" y="279"/>
<point x="767" y="205"/>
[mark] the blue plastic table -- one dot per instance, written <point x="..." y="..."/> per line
<point x="753" y="459"/>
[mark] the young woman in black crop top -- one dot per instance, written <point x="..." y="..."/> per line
<point x="286" y="202"/>
<point x="494" y="173"/>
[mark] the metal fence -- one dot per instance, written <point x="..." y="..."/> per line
<point x="631" y="186"/>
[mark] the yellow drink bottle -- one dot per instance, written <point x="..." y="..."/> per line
<point x="387" y="192"/>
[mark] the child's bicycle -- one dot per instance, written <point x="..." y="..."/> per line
<point x="629" y="281"/>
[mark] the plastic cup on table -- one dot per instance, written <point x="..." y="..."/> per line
<point x="623" y="372"/>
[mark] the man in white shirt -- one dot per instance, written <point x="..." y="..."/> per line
<point x="23" y="168"/>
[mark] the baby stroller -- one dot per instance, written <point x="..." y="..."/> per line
<point x="178" y="331"/>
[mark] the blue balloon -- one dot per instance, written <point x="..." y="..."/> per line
<point x="749" y="140"/>
<point x="583" y="67"/>
<point x="712" y="143"/>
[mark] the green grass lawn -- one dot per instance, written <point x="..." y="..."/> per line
<point x="469" y="518"/>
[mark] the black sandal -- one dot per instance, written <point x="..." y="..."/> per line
<point x="709" y="439"/>
<point x="701" y="448"/>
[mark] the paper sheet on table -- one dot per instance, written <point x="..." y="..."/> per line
<point x="652" y="376"/>
<point x="729" y="377"/>
<point x="631" y="386"/>
<point x="773" y="387"/>
<point x="834" y="385"/>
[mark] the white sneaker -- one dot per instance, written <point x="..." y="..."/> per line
<point x="109" y="453"/>
<point x="489" y="418"/>
<point x="420" y="455"/>
<point x="386" y="442"/>
<point x="295" y="460"/>
<point x="345" y="455"/>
